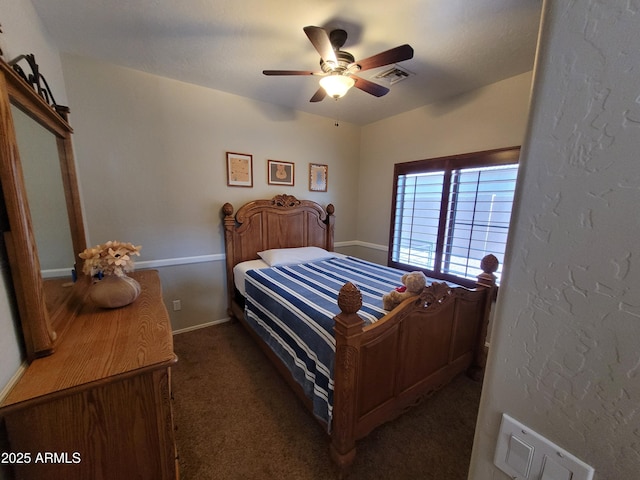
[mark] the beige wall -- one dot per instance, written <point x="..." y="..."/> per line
<point x="564" y="358"/>
<point x="23" y="33"/>
<point x="492" y="117"/>
<point x="151" y="162"/>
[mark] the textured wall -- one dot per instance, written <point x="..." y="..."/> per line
<point x="565" y="356"/>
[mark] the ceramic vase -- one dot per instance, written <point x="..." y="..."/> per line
<point x="114" y="291"/>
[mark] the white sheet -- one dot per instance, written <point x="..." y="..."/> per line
<point x="240" y="270"/>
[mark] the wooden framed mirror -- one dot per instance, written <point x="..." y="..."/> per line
<point x="31" y="128"/>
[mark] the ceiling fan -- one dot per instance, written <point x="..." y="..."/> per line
<point x="339" y="67"/>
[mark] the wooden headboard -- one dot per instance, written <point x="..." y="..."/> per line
<point x="281" y="222"/>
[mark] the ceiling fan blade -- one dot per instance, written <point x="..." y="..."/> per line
<point x="291" y="72"/>
<point x="370" y="87"/>
<point x="319" y="95"/>
<point x="320" y="40"/>
<point x="398" y="54"/>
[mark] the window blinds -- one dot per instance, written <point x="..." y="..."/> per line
<point x="446" y="221"/>
<point x="418" y="205"/>
<point x="478" y="214"/>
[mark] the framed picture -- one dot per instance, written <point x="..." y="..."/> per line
<point x="318" y="174"/>
<point x="279" y="173"/>
<point x="239" y="170"/>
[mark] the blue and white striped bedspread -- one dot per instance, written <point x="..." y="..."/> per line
<point x="292" y="309"/>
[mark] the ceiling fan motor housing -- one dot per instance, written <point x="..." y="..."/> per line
<point x="345" y="59"/>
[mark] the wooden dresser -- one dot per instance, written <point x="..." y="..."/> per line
<point x="100" y="407"/>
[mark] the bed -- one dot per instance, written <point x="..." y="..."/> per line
<point x="367" y="366"/>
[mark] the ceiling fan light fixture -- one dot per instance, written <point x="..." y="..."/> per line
<point x="337" y="85"/>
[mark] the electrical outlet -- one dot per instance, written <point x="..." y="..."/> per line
<point x="177" y="305"/>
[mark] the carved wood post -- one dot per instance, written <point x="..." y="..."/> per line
<point x="486" y="280"/>
<point x="330" y="221"/>
<point x="229" y="225"/>
<point x="348" y="333"/>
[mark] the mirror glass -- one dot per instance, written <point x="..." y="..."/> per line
<point x="45" y="192"/>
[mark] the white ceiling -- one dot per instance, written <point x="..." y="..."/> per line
<point x="459" y="45"/>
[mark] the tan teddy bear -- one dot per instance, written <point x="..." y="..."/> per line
<point x="413" y="283"/>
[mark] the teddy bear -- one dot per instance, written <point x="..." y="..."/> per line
<point x="413" y="283"/>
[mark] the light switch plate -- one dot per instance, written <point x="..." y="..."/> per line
<point x="548" y="462"/>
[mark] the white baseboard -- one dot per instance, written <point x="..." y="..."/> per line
<point x="359" y="243"/>
<point x="170" y="262"/>
<point x="201" y="325"/>
<point x="13" y="380"/>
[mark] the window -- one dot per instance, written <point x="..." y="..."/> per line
<point x="448" y="213"/>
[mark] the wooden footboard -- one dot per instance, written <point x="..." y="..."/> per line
<point x="383" y="368"/>
<point x="386" y="367"/>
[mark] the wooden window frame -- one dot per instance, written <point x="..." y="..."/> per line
<point x="487" y="158"/>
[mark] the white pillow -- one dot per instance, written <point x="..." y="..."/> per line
<point x="293" y="256"/>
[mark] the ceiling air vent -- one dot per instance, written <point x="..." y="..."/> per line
<point x="394" y="75"/>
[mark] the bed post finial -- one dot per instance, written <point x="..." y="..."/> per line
<point x="330" y="222"/>
<point x="489" y="265"/>
<point x="331" y="209"/>
<point x="349" y="299"/>
<point x="227" y="209"/>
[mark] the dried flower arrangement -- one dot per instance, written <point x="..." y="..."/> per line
<point x="111" y="258"/>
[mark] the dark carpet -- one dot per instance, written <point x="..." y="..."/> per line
<point x="237" y="419"/>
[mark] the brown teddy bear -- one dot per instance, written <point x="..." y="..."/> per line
<point x="413" y="283"/>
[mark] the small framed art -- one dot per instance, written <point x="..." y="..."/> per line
<point x="318" y="174"/>
<point x="280" y="173"/>
<point x="239" y="169"/>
